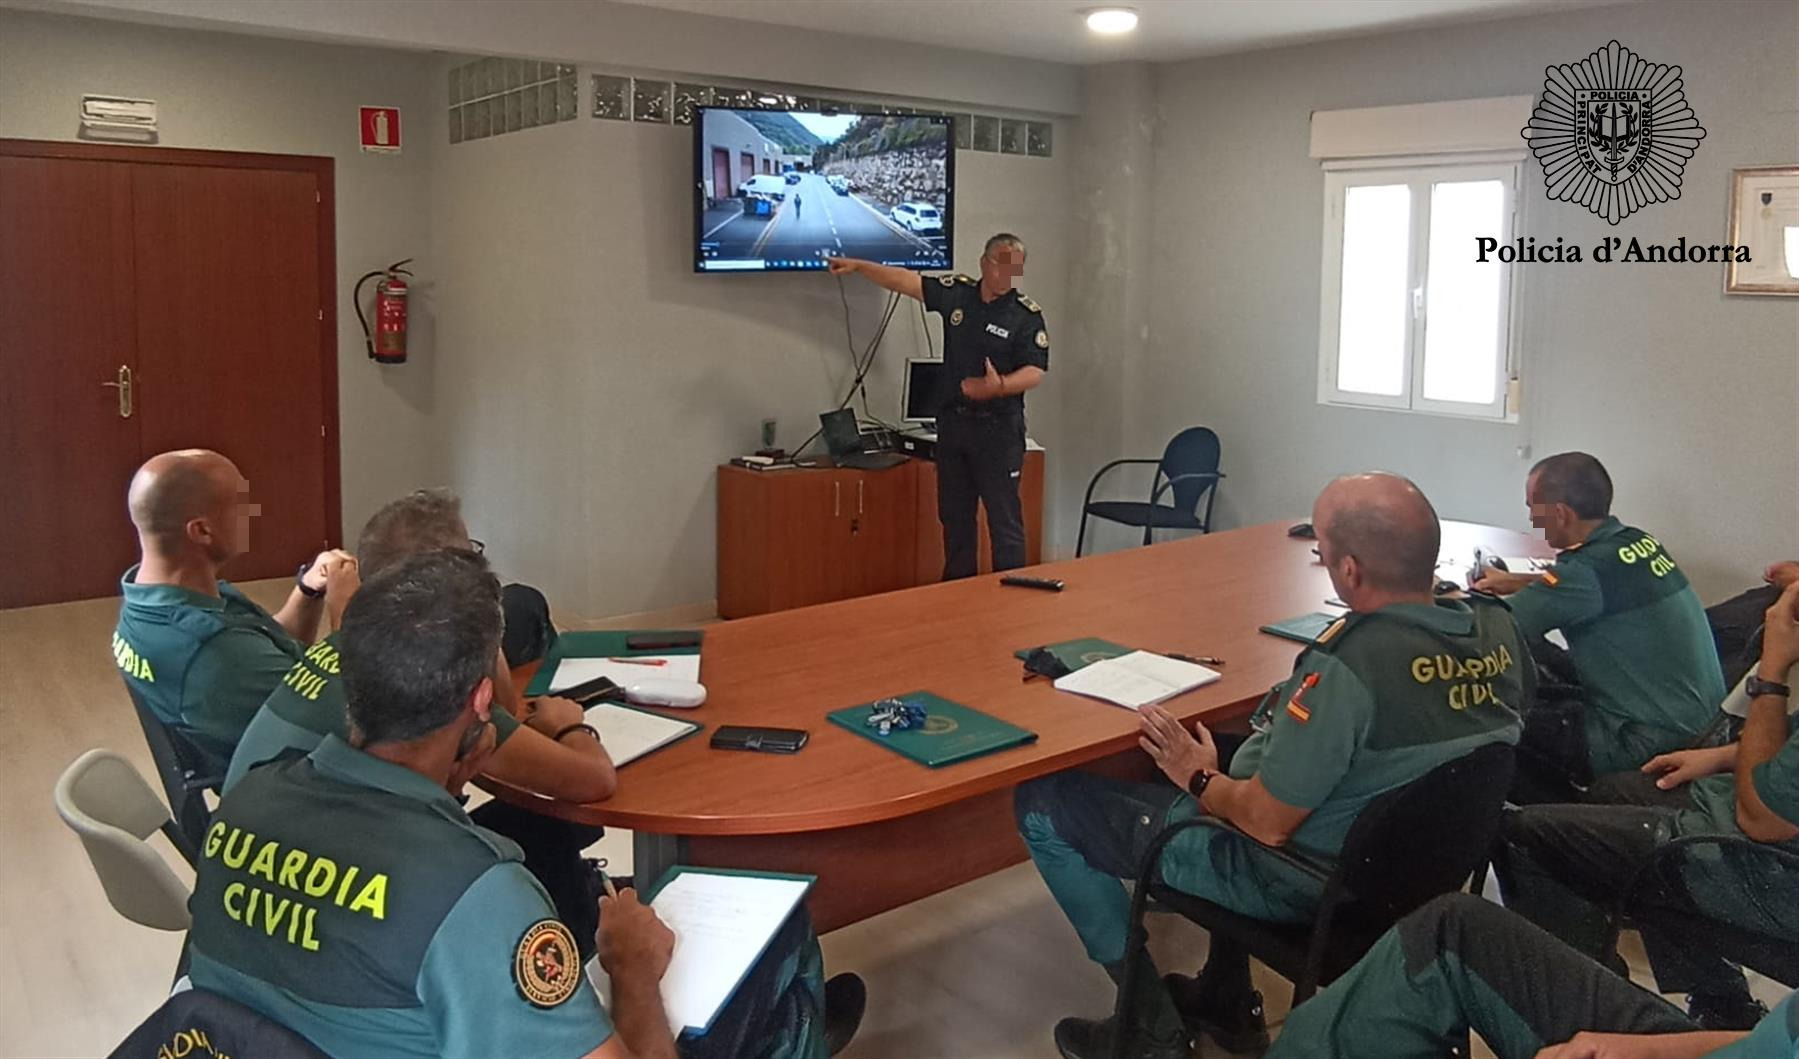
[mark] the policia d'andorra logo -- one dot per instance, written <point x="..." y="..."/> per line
<point x="1613" y="132"/>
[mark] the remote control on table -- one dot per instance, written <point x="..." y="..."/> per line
<point x="1046" y="584"/>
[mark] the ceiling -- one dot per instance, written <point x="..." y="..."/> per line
<point x="1055" y="30"/>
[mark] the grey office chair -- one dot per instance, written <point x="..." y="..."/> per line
<point x="110" y="806"/>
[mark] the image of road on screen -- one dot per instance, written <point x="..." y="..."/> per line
<point x="785" y="190"/>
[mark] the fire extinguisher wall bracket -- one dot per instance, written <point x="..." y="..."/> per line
<point x="386" y="343"/>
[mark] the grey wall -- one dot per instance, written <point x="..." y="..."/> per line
<point x="235" y="93"/>
<point x="591" y="383"/>
<point x="1687" y="395"/>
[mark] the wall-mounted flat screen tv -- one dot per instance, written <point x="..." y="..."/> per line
<point x="781" y="191"/>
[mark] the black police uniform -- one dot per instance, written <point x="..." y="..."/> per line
<point x="980" y="444"/>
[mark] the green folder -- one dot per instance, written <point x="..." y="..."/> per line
<point x="951" y="732"/>
<point x="606" y="644"/>
<point x="1078" y="654"/>
<point x="1304" y="629"/>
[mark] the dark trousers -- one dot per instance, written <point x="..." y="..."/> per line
<point x="1461" y="963"/>
<point x="779" y="1010"/>
<point x="1735" y="623"/>
<point x="1564" y="866"/>
<point x="979" y="458"/>
<point x="552" y="850"/>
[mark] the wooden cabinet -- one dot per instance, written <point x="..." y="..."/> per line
<point x="793" y="538"/>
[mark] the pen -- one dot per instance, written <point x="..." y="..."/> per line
<point x="606" y="881"/>
<point x="640" y="661"/>
<point x="1199" y="660"/>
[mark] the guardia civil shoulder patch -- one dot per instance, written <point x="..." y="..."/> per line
<point x="547" y="966"/>
<point x="955" y="317"/>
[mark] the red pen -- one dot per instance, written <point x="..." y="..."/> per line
<point x="640" y="661"/>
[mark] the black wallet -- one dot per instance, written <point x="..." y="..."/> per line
<point x="767" y="740"/>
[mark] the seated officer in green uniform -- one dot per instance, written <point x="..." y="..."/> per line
<point x="1562" y="866"/>
<point x="192" y="647"/>
<point x="1637" y="636"/>
<point x="347" y="896"/>
<point x="551" y="751"/>
<point x="1403" y="684"/>
<point x="1460" y="964"/>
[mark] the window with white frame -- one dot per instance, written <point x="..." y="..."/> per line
<point x="1410" y="318"/>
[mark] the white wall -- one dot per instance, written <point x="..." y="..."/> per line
<point x="234" y="93"/>
<point x="1688" y="396"/>
<point x="592" y="383"/>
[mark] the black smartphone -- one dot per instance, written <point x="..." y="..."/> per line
<point x="766" y="740"/>
<point x="661" y="641"/>
<point x="592" y="691"/>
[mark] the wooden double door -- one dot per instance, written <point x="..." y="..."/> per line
<point x="155" y="299"/>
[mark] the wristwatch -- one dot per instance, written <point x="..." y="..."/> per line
<point x="1755" y="687"/>
<point x="300" y="580"/>
<point x="1197" y="785"/>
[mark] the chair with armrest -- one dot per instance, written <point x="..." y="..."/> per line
<point x="185" y="777"/>
<point x="1664" y="870"/>
<point x="1383" y="872"/>
<point x="1188" y="470"/>
<point x="227" y="1028"/>
<point x="112" y="809"/>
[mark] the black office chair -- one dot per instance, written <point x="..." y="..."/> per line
<point x="1778" y="958"/>
<point x="1385" y="870"/>
<point x="185" y="777"/>
<point x="1188" y="468"/>
<point x="229" y="1028"/>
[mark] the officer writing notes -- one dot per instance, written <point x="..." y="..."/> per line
<point x="995" y="344"/>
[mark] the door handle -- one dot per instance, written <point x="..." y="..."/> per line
<point x="859" y="484"/>
<point x="123" y="385"/>
<point x="836" y="499"/>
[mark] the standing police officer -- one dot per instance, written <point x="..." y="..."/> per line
<point x="994" y="342"/>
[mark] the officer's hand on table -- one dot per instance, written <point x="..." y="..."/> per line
<point x="1503" y="582"/>
<point x="552" y="713"/>
<point x="1685" y="766"/>
<point x="631" y="940"/>
<point x="1780" y="575"/>
<point x="1780" y="636"/>
<point x="1176" y="753"/>
<point x="985" y="388"/>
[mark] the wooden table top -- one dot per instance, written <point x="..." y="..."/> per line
<point x="1206" y="595"/>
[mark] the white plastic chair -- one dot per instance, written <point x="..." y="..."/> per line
<point x="111" y="808"/>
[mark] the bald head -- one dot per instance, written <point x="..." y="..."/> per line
<point x="1385" y="524"/>
<point x="174" y="488"/>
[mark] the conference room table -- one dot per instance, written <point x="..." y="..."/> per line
<point x="880" y="830"/>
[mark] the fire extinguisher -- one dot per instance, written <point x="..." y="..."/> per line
<point x="387" y="344"/>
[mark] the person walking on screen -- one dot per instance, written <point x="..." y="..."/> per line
<point x="995" y="343"/>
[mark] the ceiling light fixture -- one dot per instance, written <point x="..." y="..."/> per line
<point x="1112" y="20"/>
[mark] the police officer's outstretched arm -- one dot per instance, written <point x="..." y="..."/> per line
<point x="635" y="948"/>
<point x="898" y="280"/>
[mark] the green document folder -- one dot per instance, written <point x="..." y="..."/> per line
<point x="608" y="644"/>
<point x="1304" y="629"/>
<point x="1078" y="654"/>
<point x="951" y="732"/>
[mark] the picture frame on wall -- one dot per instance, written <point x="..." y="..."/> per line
<point x="1764" y="216"/>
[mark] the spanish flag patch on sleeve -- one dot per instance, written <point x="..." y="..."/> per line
<point x="1296" y="707"/>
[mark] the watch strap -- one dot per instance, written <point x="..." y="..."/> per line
<point x="1756" y="687"/>
<point x="300" y="582"/>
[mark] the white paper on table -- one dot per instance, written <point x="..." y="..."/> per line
<point x="573" y="671"/>
<point x="722" y="924"/>
<point x="1137" y="679"/>
<point x="629" y="734"/>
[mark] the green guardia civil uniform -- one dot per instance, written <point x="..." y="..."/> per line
<point x="1381" y="699"/>
<point x="203" y="664"/>
<point x="353" y="901"/>
<point x="1638" y="638"/>
<point x="1723" y="883"/>
<point x="308" y="705"/>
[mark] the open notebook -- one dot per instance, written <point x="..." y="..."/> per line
<point x="630" y="733"/>
<point x="1137" y="679"/>
<point x="723" y="921"/>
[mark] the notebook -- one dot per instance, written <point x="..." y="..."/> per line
<point x="1304" y="629"/>
<point x="629" y="733"/>
<point x="603" y="644"/>
<point x="573" y="671"/>
<point x="723" y="920"/>
<point x="952" y="732"/>
<point x="1137" y="679"/>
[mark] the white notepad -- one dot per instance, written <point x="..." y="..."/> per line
<point x="1137" y="680"/>
<point x="722" y="924"/>
<point x="630" y="734"/>
<point x="573" y="671"/>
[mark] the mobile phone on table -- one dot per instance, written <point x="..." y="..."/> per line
<point x="661" y="641"/>
<point x="766" y="740"/>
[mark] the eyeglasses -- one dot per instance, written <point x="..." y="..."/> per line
<point x="478" y="547"/>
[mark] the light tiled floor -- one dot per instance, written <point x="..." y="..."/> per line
<point x="983" y="970"/>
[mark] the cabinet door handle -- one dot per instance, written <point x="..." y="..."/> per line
<point x="836" y="499"/>
<point x="123" y="385"/>
<point x="859" y="484"/>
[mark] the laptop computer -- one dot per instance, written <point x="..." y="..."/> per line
<point x="850" y="447"/>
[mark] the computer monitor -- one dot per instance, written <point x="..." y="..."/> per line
<point x="922" y="393"/>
